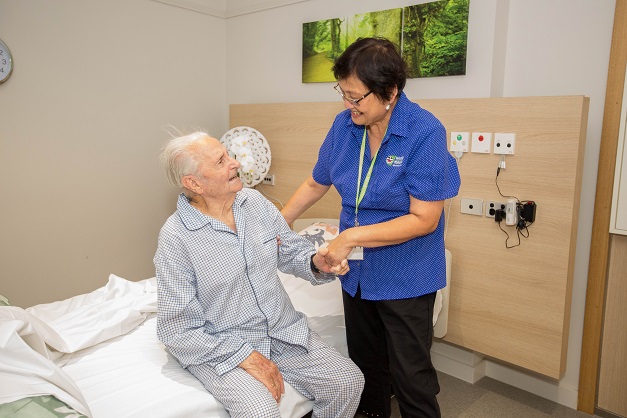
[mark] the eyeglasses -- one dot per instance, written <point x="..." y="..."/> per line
<point x="354" y="102"/>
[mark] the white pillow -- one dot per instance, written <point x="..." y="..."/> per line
<point x="320" y="233"/>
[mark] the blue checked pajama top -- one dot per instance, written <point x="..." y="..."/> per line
<point x="413" y="160"/>
<point x="219" y="294"/>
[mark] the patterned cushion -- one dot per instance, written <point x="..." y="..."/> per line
<point x="320" y="233"/>
<point x="4" y="301"/>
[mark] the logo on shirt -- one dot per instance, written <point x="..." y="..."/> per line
<point x="394" y="161"/>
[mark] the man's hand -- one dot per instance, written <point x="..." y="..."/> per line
<point x="321" y="262"/>
<point x="266" y="371"/>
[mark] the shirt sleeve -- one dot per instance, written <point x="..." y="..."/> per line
<point x="322" y="170"/>
<point x="295" y="251"/>
<point x="180" y="321"/>
<point x="432" y="172"/>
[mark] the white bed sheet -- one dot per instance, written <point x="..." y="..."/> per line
<point x="33" y="340"/>
<point x="323" y="306"/>
<point x="134" y="376"/>
<point x="99" y="353"/>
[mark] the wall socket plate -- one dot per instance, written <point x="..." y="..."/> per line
<point x="481" y="142"/>
<point x="268" y="179"/>
<point x="504" y="143"/>
<point x="472" y="206"/>
<point x="459" y="142"/>
<point x="492" y="206"/>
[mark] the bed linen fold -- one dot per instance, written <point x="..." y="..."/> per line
<point x="35" y="342"/>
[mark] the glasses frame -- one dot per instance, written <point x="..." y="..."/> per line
<point x="354" y="102"/>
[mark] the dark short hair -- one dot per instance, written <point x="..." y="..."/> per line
<point x="376" y="62"/>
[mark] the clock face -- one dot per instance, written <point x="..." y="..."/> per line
<point x="6" y="62"/>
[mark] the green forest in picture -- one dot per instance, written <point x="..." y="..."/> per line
<point x="432" y="37"/>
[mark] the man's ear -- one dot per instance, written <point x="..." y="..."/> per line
<point x="190" y="183"/>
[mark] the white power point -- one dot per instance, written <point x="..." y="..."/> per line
<point x="504" y="143"/>
<point x="511" y="215"/>
<point x="268" y="179"/>
<point x="492" y="206"/>
<point x="459" y="142"/>
<point x="472" y="206"/>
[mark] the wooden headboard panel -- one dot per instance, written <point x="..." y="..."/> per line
<point x="510" y="304"/>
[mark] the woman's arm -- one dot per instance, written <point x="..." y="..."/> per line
<point x="422" y="219"/>
<point x="308" y="193"/>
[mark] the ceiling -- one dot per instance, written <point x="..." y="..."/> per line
<point x="228" y="8"/>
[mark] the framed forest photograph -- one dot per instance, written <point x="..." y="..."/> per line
<point x="432" y="38"/>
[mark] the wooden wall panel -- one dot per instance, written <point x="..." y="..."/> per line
<point x="511" y="304"/>
<point x="599" y="251"/>
<point x="613" y="368"/>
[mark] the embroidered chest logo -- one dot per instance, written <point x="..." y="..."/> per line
<point x="394" y="161"/>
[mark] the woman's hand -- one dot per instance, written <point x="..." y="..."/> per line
<point x="338" y="249"/>
<point x="266" y="371"/>
<point x="322" y="263"/>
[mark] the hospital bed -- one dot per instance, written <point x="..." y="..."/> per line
<point x="97" y="354"/>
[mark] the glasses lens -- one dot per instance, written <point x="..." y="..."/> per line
<point x="354" y="102"/>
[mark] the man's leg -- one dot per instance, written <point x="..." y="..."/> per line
<point x="333" y="381"/>
<point x="241" y="394"/>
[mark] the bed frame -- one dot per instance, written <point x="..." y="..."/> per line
<point x="510" y="304"/>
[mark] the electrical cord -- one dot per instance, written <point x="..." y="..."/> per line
<point x="447" y="213"/>
<point x="496" y="180"/>
<point x="522" y="224"/>
<point x="263" y="192"/>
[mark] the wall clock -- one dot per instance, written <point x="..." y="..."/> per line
<point x="6" y="62"/>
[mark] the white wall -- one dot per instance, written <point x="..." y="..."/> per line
<point x="515" y="48"/>
<point x="81" y="127"/>
<point x="264" y="53"/>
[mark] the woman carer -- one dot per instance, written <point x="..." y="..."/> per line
<point x="388" y="159"/>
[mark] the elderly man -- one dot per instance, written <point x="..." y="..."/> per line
<point x="222" y="311"/>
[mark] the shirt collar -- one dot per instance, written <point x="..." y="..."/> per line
<point x="194" y="219"/>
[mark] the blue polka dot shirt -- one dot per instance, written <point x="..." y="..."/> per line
<point x="413" y="160"/>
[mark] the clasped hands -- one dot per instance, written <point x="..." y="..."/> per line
<point x="332" y="259"/>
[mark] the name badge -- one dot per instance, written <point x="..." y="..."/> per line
<point x="356" y="254"/>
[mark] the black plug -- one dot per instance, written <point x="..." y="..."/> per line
<point x="499" y="215"/>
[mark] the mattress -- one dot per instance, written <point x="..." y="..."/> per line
<point x="134" y="376"/>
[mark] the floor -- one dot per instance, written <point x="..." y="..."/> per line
<point x="489" y="398"/>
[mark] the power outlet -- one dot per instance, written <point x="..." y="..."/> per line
<point x="459" y="142"/>
<point x="492" y="206"/>
<point x="504" y="143"/>
<point x="268" y="179"/>
<point x="472" y="206"/>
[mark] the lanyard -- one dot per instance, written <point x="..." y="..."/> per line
<point x="361" y="190"/>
